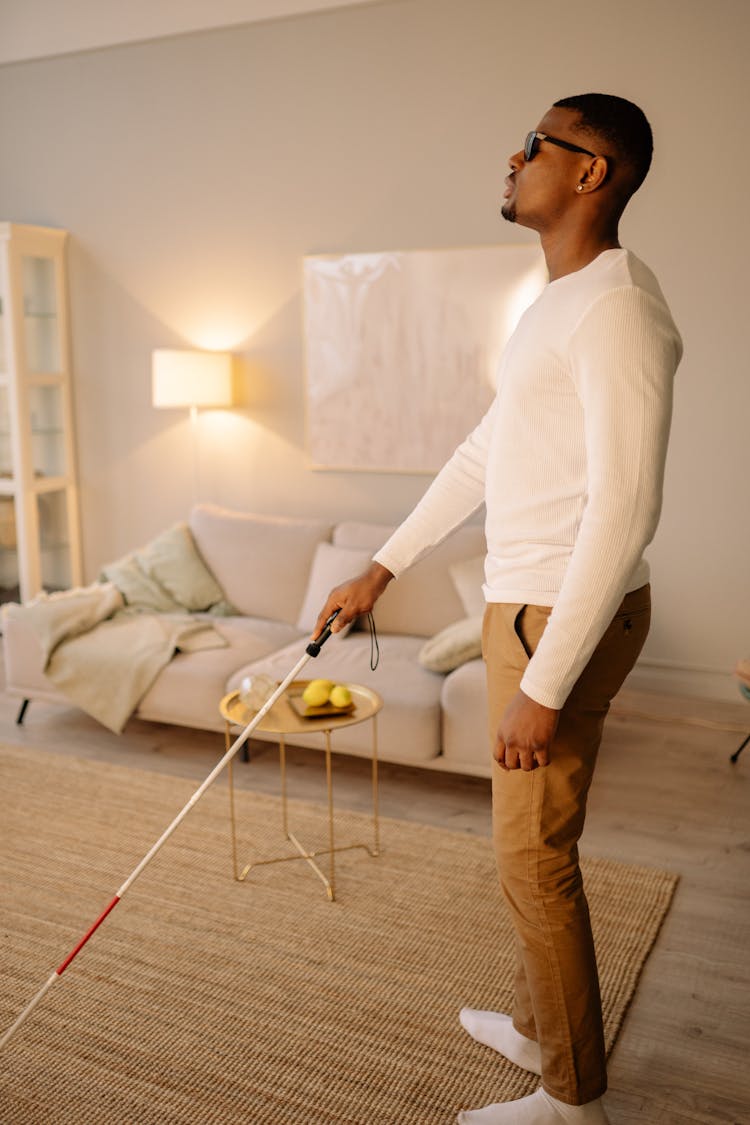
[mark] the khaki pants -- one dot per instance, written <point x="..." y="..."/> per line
<point x="538" y="819"/>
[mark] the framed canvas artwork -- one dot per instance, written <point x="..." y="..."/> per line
<point x="402" y="349"/>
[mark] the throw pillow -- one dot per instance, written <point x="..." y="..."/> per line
<point x="453" y="645"/>
<point x="424" y="599"/>
<point x="262" y="563"/>
<point x="468" y="577"/>
<point x="173" y="561"/>
<point x="331" y="566"/>
<point x="138" y="589"/>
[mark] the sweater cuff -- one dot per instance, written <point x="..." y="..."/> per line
<point x="389" y="562"/>
<point x="546" y="698"/>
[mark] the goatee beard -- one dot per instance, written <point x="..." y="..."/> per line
<point x="508" y="212"/>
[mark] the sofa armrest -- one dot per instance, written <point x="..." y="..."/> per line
<point x="24" y="668"/>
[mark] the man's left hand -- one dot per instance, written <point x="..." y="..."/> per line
<point x="525" y="733"/>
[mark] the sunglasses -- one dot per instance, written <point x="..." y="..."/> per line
<point x="531" y="145"/>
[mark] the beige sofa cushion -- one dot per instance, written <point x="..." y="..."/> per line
<point x="188" y="691"/>
<point x="331" y="566"/>
<point x="466" y="731"/>
<point x="424" y="599"/>
<point x="262" y="563"/>
<point x="409" y="725"/>
<point x="467" y="576"/>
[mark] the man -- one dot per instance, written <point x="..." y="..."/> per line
<point x="570" y="462"/>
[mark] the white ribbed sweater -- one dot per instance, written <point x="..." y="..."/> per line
<point x="569" y="460"/>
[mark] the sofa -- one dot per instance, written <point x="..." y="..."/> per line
<point x="274" y="574"/>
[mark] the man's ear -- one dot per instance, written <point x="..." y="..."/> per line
<point x="595" y="175"/>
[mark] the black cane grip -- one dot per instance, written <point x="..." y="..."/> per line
<point x="315" y="646"/>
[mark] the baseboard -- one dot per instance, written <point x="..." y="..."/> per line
<point x="684" y="679"/>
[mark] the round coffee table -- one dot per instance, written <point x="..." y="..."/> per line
<point x="284" y="719"/>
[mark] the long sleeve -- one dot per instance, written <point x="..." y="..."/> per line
<point x="623" y="356"/>
<point x="456" y="492"/>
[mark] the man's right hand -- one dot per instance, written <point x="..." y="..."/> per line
<point x="353" y="598"/>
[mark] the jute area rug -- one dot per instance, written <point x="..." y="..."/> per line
<point x="202" y="1000"/>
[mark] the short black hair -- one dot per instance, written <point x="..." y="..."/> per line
<point x="621" y="124"/>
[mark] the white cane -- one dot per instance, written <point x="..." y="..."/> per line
<point x="312" y="650"/>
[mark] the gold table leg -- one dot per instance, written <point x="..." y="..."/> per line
<point x="331" y="842"/>
<point x="375" y="815"/>
<point x="227" y="744"/>
<point x="282" y="768"/>
<point x="303" y="853"/>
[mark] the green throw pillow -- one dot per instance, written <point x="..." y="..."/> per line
<point x="452" y="646"/>
<point x="173" y="561"/>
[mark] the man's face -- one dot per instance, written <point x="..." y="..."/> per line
<point x="540" y="191"/>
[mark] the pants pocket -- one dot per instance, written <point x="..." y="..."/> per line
<point x="632" y="618"/>
<point x="615" y="655"/>
<point x="500" y="641"/>
<point x="529" y="624"/>
<point x="512" y="614"/>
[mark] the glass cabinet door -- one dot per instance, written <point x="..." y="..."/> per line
<point x="39" y="532"/>
<point x="8" y="543"/>
<point x="47" y="432"/>
<point x="8" y="549"/>
<point x="54" y="540"/>
<point x="3" y="344"/>
<point x="41" y="335"/>
<point x="6" y="452"/>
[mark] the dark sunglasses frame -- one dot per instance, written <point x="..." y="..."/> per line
<point x="531" y="145"/>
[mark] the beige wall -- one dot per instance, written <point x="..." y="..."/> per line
<point x="195" y="172"/>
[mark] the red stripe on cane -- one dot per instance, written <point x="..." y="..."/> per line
<point x="86" y="937"/>
<point x="231" y="751"/>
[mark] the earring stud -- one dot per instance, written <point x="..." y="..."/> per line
<point x="580" y="187"/>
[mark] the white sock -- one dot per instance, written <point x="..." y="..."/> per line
<point x="537" y="1109"/>
<point x="496" y="1030"/>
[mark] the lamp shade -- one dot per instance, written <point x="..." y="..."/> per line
<point x="190" y="378"/>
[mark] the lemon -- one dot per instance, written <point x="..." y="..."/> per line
<point x="317" y="692"/>
<point x="340" y="696"/>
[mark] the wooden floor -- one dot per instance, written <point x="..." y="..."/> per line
<point x="665" y="795"/>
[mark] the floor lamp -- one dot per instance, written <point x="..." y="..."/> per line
<point x="184" y="378"/>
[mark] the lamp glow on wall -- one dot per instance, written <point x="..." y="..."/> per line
<point x="183" y="378"/>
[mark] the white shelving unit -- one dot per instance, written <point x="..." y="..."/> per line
<point x="39" y="521"/>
